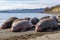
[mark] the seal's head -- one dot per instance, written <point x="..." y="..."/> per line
<point x="8" y="23"/>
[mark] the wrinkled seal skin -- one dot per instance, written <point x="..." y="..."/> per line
<point x="8" y="23"/>
<point x="34" y="21"/>
<point x="21" y="25"/>
<point x="46" y="25"/>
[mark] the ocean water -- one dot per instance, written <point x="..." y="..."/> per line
<point x="5" y="16"/>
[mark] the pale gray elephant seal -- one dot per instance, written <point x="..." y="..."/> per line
<point x="8" y="23"/>
<point x="21" y="25"/>
<point x="46" y="25"/>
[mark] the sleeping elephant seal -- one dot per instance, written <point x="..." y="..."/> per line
<point x="46" y="25"/>
<point x="45" y="17"/>
<point x="34" y="21"/>
<point x="54" y="17"/>
<point x="21" y="25"/>
<point x="27" y="18"/>
<point x="8" y="23"/>
<point x="58" y="19"/>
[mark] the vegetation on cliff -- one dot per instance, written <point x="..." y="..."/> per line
<point x="54" y="9"/>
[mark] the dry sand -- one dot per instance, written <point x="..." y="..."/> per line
<point x="48" y="37"/>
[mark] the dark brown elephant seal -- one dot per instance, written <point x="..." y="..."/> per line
<point x="54" y="17"/>
<point x="46" y="25"/>
<point x="34" y="21"/>
<point x="27" y="18"/>
<point x="21" y="25"/>
<point x="45" y="17"/>
<point x="8" y="23"/>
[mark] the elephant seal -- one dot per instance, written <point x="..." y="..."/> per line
<point x="47" y="24"/>
<point x="54" y="17"/>
<point x="27" y="18"/>
<point x="21" y="25"/>
<point x="34" y="21"/>
<point x="58" y="18"/>
<point x="45" y="17"/>
<point x="8" y="23"/>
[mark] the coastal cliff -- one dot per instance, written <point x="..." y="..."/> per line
<point x="54" y="9"/>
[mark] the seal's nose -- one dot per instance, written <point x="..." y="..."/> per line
<point x="3" y="26"/>
<point x="39" y="29"/>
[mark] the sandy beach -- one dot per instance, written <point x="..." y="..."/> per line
<point x="6" y="34"/>
<point x="29" y="19"/>
<point x="55" y="36"/>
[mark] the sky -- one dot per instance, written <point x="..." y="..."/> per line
<point x="27" y="4"/>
